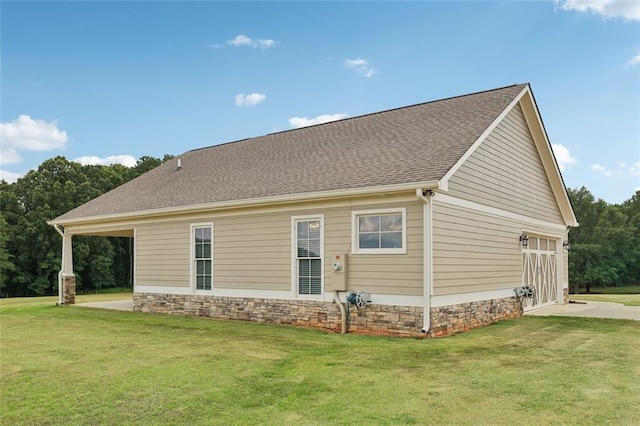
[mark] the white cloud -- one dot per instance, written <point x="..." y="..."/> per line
<point x="602" y="170"/>
<point x="9" y="155"/>
<point x="360" y="66"/>
<point x="297" y="122"/>
<point x="633" y="169"/>
<point x="351" y="63"/>
<point x="125" y="160"/>
<point x="10" y="177"/>
<point x="251" y="99"/>
<point x="563" y="156"/>
<point x="27" y="134"/>
<point x="626" y="9"/>
<point x="243" y="40"/>
<point x="633" y="61"/>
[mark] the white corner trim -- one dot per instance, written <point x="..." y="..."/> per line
<point x="471" y="205"/>
<point x="397" y="300"/>
<point x="478" y="296"/>
<point x="253" y="294"/>
<point x="445" y="179"/>
<point x="161" y="289"/>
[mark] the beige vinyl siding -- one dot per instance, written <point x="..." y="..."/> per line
<point x="472" y="252"/>
<point x="506" y="172"/>
<point x="163" y="254"/>
<point x="399" y="274"/>
<point x="253" y="252"/>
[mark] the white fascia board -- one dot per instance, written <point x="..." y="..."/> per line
<point x="549" y="162"/>
<point x="254" y="202"/>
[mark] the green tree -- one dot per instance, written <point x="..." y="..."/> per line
<point x="604" y="248"/>
<point x="6" y="263"/>
<point x="30" y="251"/>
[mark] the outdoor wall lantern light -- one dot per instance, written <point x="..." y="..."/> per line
<point x="566" y="245"/>
<point x="524" y="240"/>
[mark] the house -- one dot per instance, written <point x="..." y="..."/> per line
<point x="454" y="207"/>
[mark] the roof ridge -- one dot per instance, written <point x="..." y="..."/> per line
<point x="360" y="116"/>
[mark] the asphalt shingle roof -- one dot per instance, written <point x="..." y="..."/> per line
<point x="411" y="144"/>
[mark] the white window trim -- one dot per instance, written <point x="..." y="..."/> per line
<point x="355" y="248"/>
<point x="294" y="256"/>
<point x="192" y="276"/>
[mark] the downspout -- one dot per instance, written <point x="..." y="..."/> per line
<point x="343" y="313"/>
<point x="427" y="263"/>
<point x="60" y="296"/>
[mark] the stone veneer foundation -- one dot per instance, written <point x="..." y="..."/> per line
<point x="373" y="319"/>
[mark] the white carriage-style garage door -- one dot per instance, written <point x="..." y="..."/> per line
<point x="540" y="271"/>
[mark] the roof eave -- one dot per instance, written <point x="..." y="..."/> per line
<point x="253" y="202"/>
<point x="541" y="139"/>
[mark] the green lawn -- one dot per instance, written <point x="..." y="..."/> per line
<point x="627" y="295"/>
<point x="70" y="365"/>
<point x="625" y="299"/>
<point x="625" y="289"/>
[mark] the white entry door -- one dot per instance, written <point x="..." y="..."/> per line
<point x="540" y="271"/>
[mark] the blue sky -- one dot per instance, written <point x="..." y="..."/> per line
<point x="109" y="82"/>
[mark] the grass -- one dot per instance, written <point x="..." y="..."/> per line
<point x="52" y="300"/>
<point x="111" y="290"/>
<point x="627" y="295"/>
<point x="625" y="299"/>
<point x="66" y="365"/>
<point x="627" y="289"/>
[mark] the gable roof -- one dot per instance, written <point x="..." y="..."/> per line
<point x="415" y="145"/>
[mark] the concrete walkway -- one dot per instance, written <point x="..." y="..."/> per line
<point x="590" y="309"/>
<point x="116" y="305"/>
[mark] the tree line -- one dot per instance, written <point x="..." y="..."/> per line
<point x="30" y="250"/>
<point x="605" y="249"/>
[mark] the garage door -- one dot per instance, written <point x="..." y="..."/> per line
<point x="540" y="271"/>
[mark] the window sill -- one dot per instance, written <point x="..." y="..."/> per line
<point x="378" y="251"/>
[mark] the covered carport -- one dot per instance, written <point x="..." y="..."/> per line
<point x="66" y="276"/>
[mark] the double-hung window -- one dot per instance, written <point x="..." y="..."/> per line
<point x="307" y="254"/>
<point x="202" y="257"/>
<point x="382" y="231"/>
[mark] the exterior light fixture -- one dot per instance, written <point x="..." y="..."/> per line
<point x="566" y="245"/>
<point x="524" y="240"/>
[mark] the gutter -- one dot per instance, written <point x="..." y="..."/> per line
<point x="253" y="202"/>
<point x="427" y="262"/>
<point x="60" y="296"/>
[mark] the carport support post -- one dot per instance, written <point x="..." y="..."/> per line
<point x="66" y="277"/>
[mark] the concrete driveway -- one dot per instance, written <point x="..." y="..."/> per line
<point x="116" y="305"/>
<point x="591" y="310"/>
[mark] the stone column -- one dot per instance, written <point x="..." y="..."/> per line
<point x="67" y="277"/>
